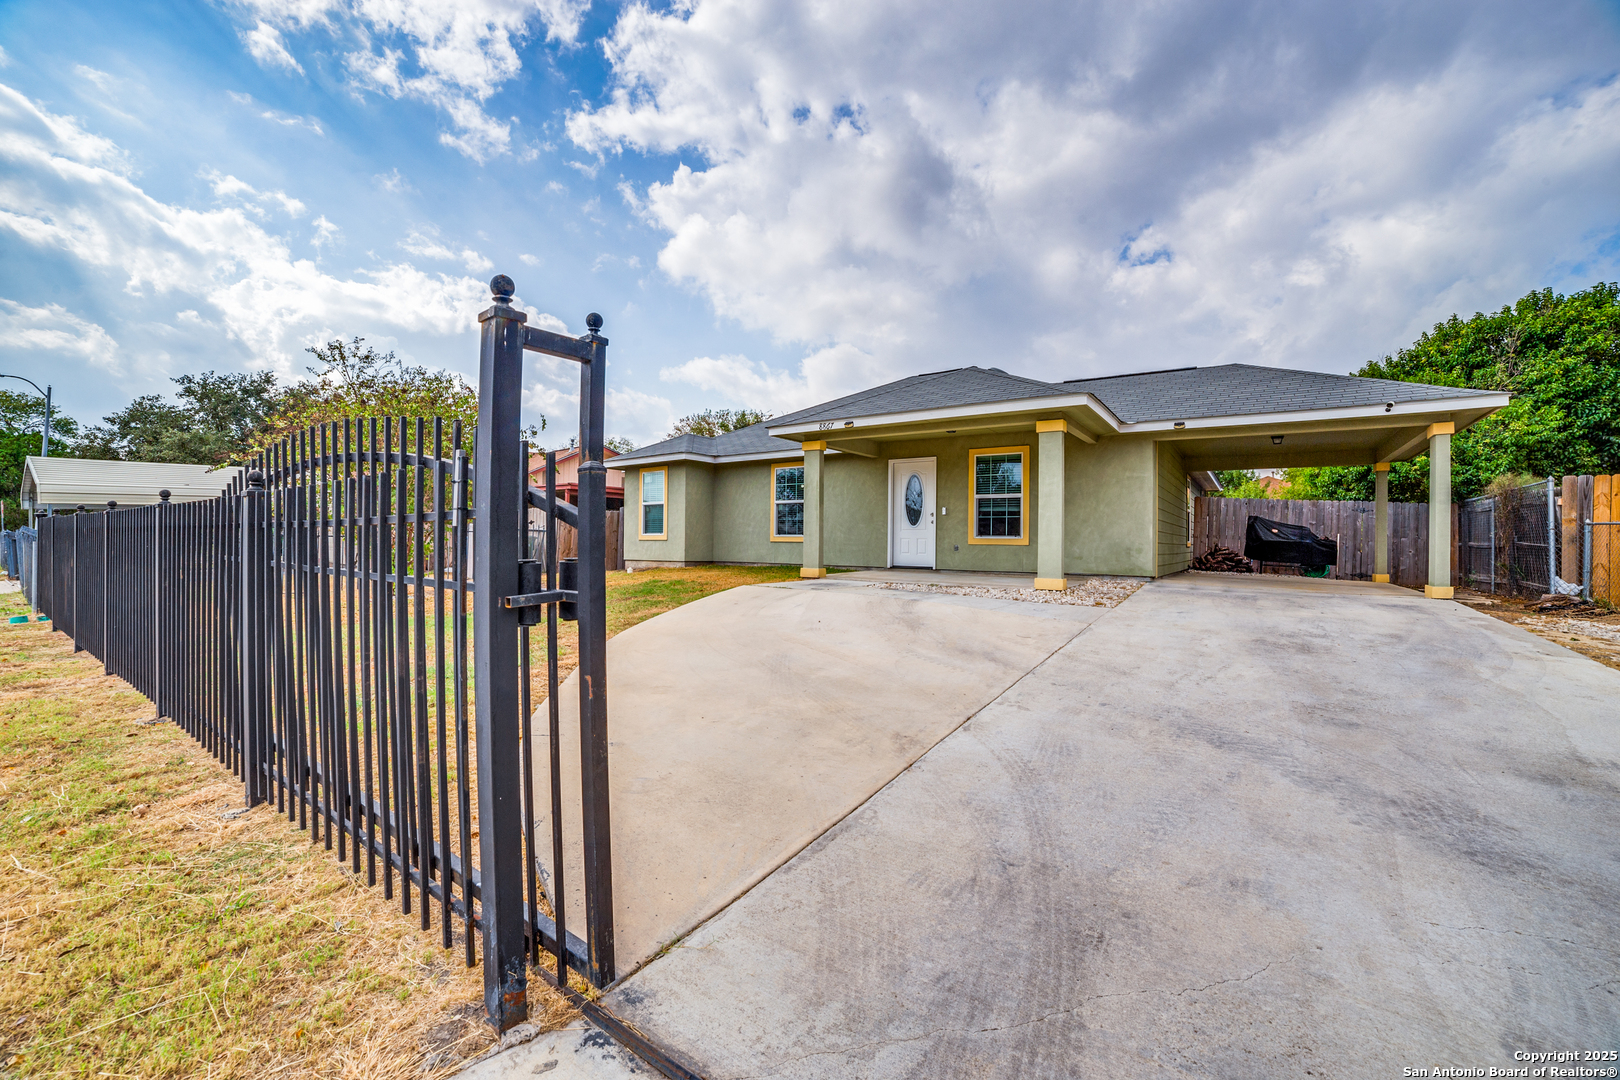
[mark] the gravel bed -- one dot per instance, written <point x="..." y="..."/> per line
<point x="1090" y="592"/>
<point x="1575" y="626"/>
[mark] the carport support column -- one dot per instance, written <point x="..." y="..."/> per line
<point x="815" y="565"/>
<point x="1439" y="586"/>
<point x="1381" y="521"/>
<point x="1050" y="436"/>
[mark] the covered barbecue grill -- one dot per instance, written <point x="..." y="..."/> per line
<point x="1280" y="542"/>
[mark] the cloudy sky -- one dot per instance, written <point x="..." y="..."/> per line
<point x="775" y="202"/>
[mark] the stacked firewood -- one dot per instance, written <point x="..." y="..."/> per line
<point x="1223" y="560"/>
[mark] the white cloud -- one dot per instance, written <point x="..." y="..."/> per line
<point x="393" y="183"/>
<point x="1069" y="189"/>
<point x="229" y="187"/>
<point x="428" y="245"/>
<point x="62" y="189"/>
<point x="5" y="60"/>
<point x="453" y="54"/>
<point x="276" y="116"/>
<point x="529" y="260"/>
<point x="325" y="233"/>
<point x="265" y="45"/>
<point x="53" y="328"/>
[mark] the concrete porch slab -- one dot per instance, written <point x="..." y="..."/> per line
<point x="744" y="725"/>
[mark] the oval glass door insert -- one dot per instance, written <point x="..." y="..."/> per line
<point x="914" y="499"/>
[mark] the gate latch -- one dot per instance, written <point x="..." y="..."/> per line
<point x="532" y="580"/>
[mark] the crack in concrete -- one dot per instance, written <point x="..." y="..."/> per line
<point x="776" y="1069"/>
<point x="1523" y="933"/>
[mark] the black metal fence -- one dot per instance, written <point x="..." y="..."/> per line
<point x="346" y="627"/>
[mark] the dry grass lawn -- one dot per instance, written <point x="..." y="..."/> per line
<point x="150" y="928"/>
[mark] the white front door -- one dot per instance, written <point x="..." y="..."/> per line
<point x="911" y="512"/>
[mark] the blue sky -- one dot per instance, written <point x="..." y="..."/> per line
<point x="773" y="203"/>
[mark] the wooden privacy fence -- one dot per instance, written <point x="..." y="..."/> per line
<point x="1591" y="554"/>
<point x="568" y="539"/>
<point x="1219" y="522"/>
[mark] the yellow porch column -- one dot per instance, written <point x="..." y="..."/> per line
<point x="1439" y="586"/>
<point x="1049" y="436"/>
<point x="1381" y="521"/>
<point x="815" y="565"/>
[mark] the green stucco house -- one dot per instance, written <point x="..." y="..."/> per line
<point x="977" y="469"/>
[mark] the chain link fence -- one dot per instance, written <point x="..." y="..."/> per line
<point x="1508" y="544"/>
<point x="1537" y="540"/>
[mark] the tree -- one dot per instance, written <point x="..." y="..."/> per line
<point x="22" y="415"/>
<point x="1559" y="356"/>
<point x="213" y="423"/>
<point x="712" y="422"/>
<point x="354" y="381"/>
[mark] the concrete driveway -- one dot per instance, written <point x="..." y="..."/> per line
<point x="747" y="724"/>
<point x="1236" y="828"/>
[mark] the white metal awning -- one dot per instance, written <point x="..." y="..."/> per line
<point x="65" y="483"/>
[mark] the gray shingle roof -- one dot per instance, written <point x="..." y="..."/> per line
<point x="1178" y="394"/>
<point x="749" y="440"/>
<point x="936" y="390"/>
<point x="1244" y="389"/>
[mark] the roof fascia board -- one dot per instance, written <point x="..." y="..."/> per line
<point x="854" y="424"/>
<point x="1480" y="403"/>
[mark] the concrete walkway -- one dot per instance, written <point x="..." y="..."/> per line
<point x="746" y="724"/>
<point x="1240" y="828"/>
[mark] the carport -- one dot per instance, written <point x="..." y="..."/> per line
<point x="1378" y="436"/>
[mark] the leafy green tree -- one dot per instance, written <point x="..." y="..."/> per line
<point x="1559" y="356"/>
<point x="353" y="380"/>
<point x="214" y="422"/>
<point x="21" y="418"/>
<point x="712" y="422"/>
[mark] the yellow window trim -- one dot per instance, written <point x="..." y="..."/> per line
<point x="1023" y="497"/>
<point x="774" y="538"/>
<point x="641" y="487"/>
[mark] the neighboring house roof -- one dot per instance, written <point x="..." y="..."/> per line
<point x="67" y="482"/>
<point x="1190" y="393"/>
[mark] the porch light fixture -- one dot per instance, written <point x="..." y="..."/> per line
<point x="1276" y="440"/>
<point x="1180" y="424"/>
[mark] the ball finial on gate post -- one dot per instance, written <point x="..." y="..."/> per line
<point x="164" y="494"/>
<point x="593" y="321"/>
<point x="255" y="479"/>
<point x="501" y="289"/>
<point x="112" y="504"/>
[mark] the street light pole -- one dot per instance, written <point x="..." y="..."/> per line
<point x="45" y="434"/>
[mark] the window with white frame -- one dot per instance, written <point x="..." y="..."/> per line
<point x="652" y="503"/>
<point x="787" y="502"/>
<point x="999" y="497"/>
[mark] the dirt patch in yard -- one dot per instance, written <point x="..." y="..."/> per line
<point x="1589" y="629"/>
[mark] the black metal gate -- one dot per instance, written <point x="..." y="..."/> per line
<point x="309" y="626"/>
